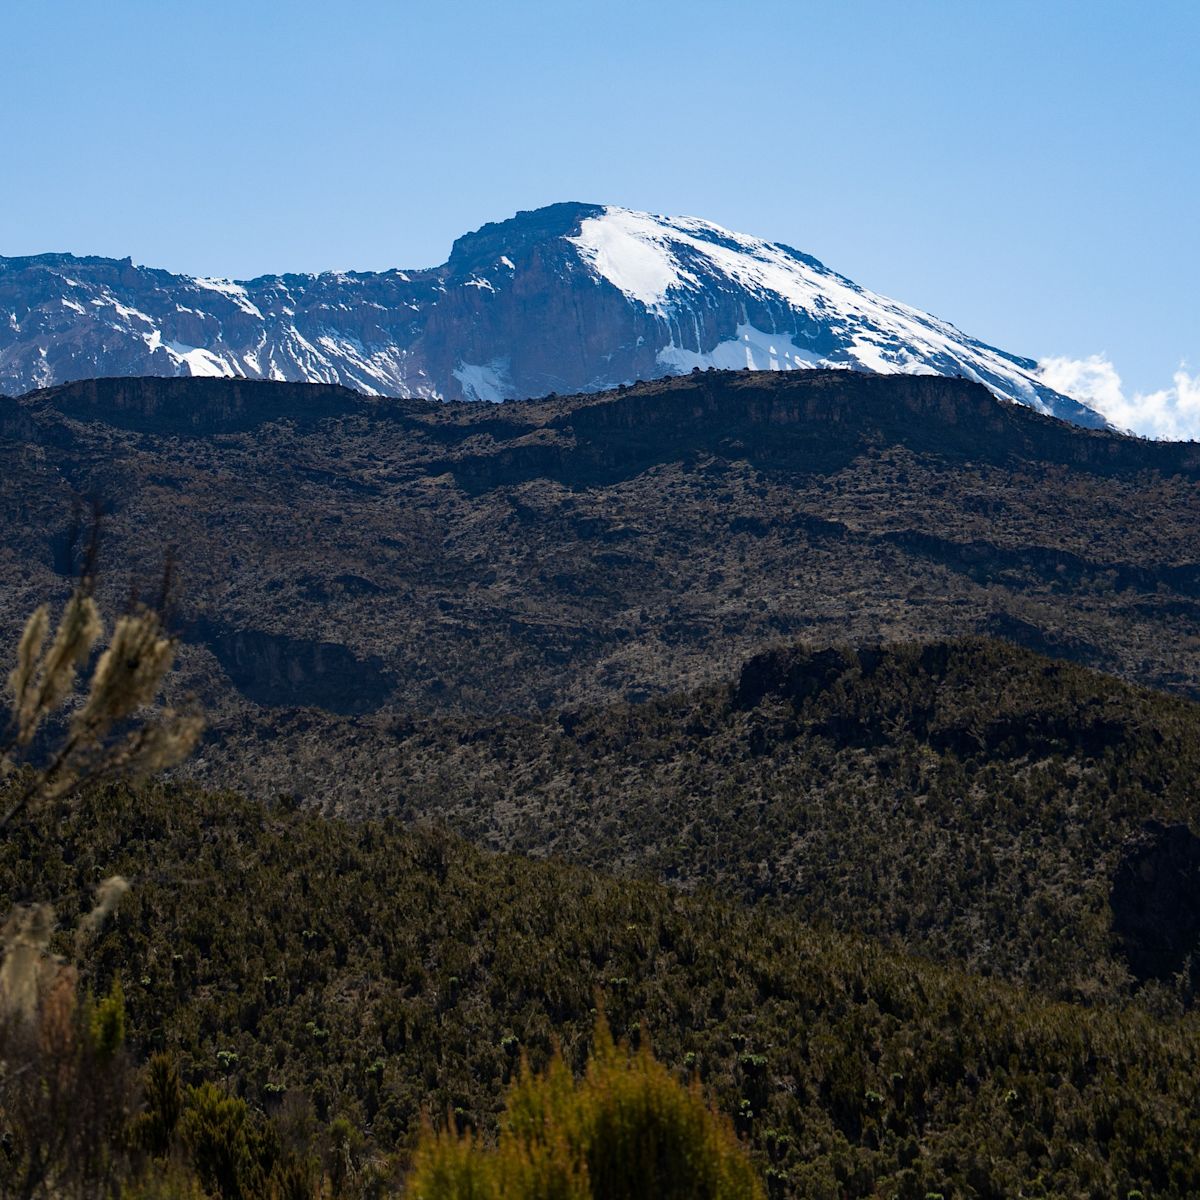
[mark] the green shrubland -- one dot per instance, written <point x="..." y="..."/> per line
<point x="335" y="981"/>
<point x="208" y="994"/>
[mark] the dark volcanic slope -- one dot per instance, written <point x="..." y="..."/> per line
<point x="364" y="555"/>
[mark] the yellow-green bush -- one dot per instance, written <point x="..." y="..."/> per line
<point x="627" y="1131"/>
<point x="163" y="1179"/>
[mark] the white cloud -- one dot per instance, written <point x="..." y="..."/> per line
<point x="1173" y="413"/>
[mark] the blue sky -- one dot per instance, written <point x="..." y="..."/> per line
<point x="1027" y="170"/>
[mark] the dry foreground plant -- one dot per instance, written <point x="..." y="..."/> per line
<point x="61" y="1068"/>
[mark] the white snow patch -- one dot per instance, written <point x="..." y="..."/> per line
<point x="131" y="314"/>
<point x="668" y="264"/>
<point x="633" y="252"/>
<point x="753" y="348"/>
<point x="199" y="361"/>
<point x="71" y="304"/>
<point x="476" y="282"/>
<point x="234" y="291"/>
<point x="487" y="381"/>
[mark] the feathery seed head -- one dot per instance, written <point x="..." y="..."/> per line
<point x="77" y="633"/>
<point x="165" y="743"/>
<point x="126" y="678"/>
<point x="108" y="895"/>
<point x="29" y="650"/>
<point x="128" y="674"/>
<point x="25" y="936"/>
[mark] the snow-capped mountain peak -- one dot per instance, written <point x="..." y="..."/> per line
<point x="572" y="297"/>
<point x="818" y="318"/>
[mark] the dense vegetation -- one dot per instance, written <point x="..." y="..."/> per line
<point x="968" y="800"/>
<point x="350" y="975"/>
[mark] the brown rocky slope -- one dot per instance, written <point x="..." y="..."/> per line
<point x="367" y="558"/>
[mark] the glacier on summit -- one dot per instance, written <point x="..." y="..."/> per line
<point x="568" y="298"/>
<point x="669" y="265"/>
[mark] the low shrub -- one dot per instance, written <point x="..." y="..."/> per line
<point x="627" y="1131"/>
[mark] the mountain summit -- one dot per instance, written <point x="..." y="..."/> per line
<point x="568" y="298"/>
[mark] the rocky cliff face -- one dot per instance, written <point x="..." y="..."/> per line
<point x="570" y="298"/>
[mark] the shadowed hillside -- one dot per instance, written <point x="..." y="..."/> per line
<point x="967" y="799"/>
<point x="932" y="927"/>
